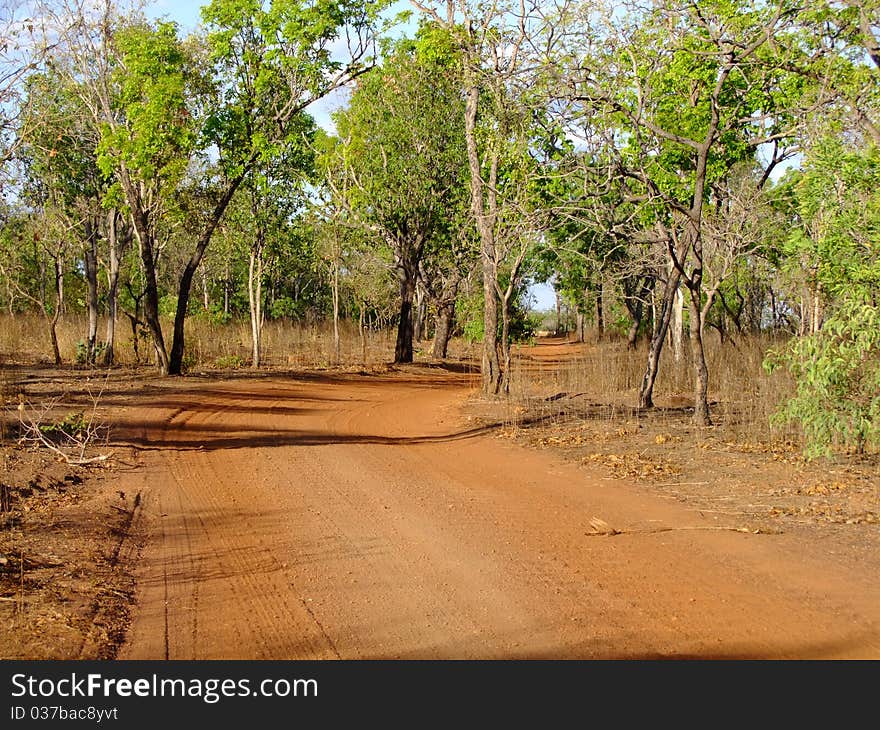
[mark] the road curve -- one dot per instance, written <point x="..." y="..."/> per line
<point x="362" y="517"/>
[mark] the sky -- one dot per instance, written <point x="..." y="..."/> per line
<point x="187" y="16"/>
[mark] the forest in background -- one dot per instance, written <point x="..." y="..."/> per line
<point x="696" y="177"/>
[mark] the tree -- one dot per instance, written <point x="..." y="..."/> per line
<point x="397" y="167"/>
<point x="148" y="135"/>
<point x="272" y="60"/>
<point x="837" y="364"/>
<point x="261" y="222"/>
<point x="59" y="160"/>
<point x="503" y="48"/>
<point x="690" y="92"/>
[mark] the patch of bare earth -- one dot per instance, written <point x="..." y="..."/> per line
<point x="69" y="534"/>
<point x="66" y="538"/>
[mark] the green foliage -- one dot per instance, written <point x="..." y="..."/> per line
<point x="215" y="315"/>
<point x="73" y="425"/>
<point x="168" y="305"/>
<point x="838" y="211"/>
<point x="838" y="381"/>
<point x="82" y="351"/>
<point x="836" y="248"/>
<point x="156" y="87"/>
<point x="229" y="362"/>
<point x="469" y="314"/>
<point x="399" y="161"/>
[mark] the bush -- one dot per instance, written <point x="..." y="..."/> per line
<point x="838" y="381"/>
<point x="82" y="351"/>
<point x="225" y="362"/>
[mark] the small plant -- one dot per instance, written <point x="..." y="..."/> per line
<point x="73" y="438"/>
<point x="225" y="362"/>
<point x="73" y="425"/>
<point x="82" y="352"/>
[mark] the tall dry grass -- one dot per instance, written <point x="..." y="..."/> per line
<point x="743" y="395"/>
<point x="25" y="339"/>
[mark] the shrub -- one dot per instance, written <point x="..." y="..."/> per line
<point x="837" y="371"/>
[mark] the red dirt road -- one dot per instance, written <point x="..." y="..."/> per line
<point x="356" y="517"/>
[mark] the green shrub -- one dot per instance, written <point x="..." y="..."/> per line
<point x="837" y="371"/>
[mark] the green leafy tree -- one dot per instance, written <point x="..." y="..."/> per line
<point x="397" y="167"/>
<point x="837" y="365"/>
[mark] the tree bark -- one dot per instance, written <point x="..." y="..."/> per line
<point x="676" y="326"/>
<point x="175" y="363"/>
<point x="363" y="328"/>
<point x="112" y="286"/>
<point x="255" y="298"/>
<point x="698" y="357"/>
<point x="505" y="344"/>
<point x="56" y="315"/>
<point x="144" y="235"/>
<point x="661" y="326"/>
<point x="91" y="272"/>
<point x="634" y="301"/>
<point x="443" y="329"/>
<point x="491" y="366"/>
<point x="336" y="344"/>
<point x="419" y="313"/>
<point x="403" y="349"/>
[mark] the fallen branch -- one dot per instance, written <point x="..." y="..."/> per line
<point x="602" y="528"/>
<point x="69" y="440"/>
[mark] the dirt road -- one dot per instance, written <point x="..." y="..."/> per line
<point x="363" y="517"/>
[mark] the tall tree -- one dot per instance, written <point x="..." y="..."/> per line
<point x="272" y="60"/>
<point x="503" y="47"/>
<point x="400" y="160"/>
<point x="691" y="90"/>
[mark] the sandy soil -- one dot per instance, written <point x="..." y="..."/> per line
<point x="303" y="516"/>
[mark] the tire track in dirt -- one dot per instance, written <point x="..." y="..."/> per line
<point x="311" y="518"/>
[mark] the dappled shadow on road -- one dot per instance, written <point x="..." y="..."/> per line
<point x="216" y="437"/>
<point x="78" y="385"/>
<point x="299" y="410"/>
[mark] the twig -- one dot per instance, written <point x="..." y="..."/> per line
<point x="682" y="484"/>
<point x="744" y="530"/>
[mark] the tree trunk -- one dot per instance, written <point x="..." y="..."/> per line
<point x="634" y="301"/>
<point x="698" y="357"/>
<point x="336" y="347"/>
<point x="226" y="291"/>
<point x="661" y="325"/>
<point x="255" y="299"/>
<point x="600" y="310"/>
<point x="676" y="326"/>
<point x="91" y="272"/>
<point x="403" y="349"/>
<point x="420" y="302"/>
<point x="206" y="301"/>
<point x="491" y="367"/>
<point x="505" y="344"/>
<point x="363" y="327"/>
<point x="558" y="315"/>
<point x="151" y="293"/>
<point x="112" y="286"/>
<point x="56" y="315"/>
<point x="443" y="329"/>
<point x="175" y="363"/>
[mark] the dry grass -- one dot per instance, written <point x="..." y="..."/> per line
<point x="604" y="378"/>
<point x="604" y="374"/>
<point x="25" y="339"/>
